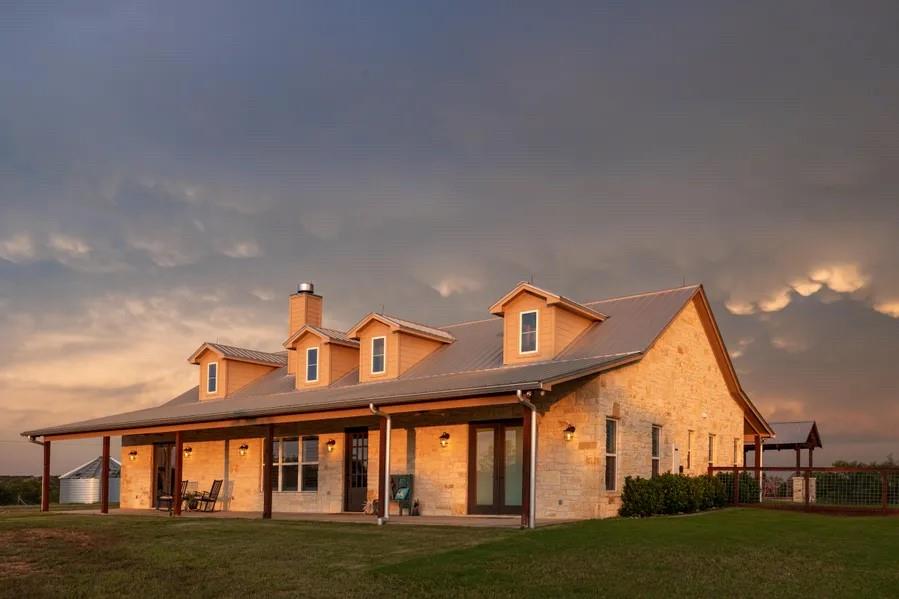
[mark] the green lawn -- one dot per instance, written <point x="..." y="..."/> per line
<point x="723" y="554"/>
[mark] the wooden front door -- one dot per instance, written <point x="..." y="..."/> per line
<point x="163" y="471"/>
<point x="495" y="460"/>
<point x="356" y="470"/>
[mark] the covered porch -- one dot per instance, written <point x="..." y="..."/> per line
<point x="470" y="462"/>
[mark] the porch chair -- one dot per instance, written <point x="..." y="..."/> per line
<point x="206" y="501"/>
<point x="401" y="491"/>
<point x="168" y="499"/>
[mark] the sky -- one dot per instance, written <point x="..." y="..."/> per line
<point x="169" y="172"/>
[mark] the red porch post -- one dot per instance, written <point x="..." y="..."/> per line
<point x="382" y="468"/>
<point x="179" y="473"/>
<point x="526" y="469"/>
<point x="45" y="479"/>
<point x="798" y="461"/>
<point x="811" y="461"/>
<point x="267" y="471"/>
<point x="104" y="478"/>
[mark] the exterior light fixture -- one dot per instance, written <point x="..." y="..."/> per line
<point x="132" y="455"/>
<point x="330" y="445"/>
<point x="444" y="439"/>
<point x="242" y="450"/>
<point x="188" y="451"/>
<point x="569" y="432"/>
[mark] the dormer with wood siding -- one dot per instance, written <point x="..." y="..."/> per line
<point x="322" y="356"/>
<point x="538" y="324"/>
<point x="225" y="369"/>
<point x="389" y="346"/>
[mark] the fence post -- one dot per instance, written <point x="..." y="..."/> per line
<point x="805" y="493"/>
<point x="884" y="491"/>
<point x="736" y="488"/>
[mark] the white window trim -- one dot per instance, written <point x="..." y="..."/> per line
<point x="536" y="314"/>
<point x="317" y="362"/>
<point x="656" y="459"/>
<point x="303" y="462"/>
<point x="216" y="388"/>
<point x="614" y="455"/>
<point x="689" y="450"/>
<point x="372" y="365"/>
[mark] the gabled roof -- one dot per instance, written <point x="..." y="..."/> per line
<point x="551" y="298"/>
<point x="326" y="335"/>
<point x="93" y="469"/>
<point x="792" y="435"/>
<point x="240" y="354"/>
<point x="402" y="325"/>
<point x="470" y="366"/>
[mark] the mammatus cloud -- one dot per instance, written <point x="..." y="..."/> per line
<point x="453" y="284"/>
<point x="18" y="248"/>
<point x="243" y="249"/>
<point x="888" y="308"/>
<point x="840" y="278"/>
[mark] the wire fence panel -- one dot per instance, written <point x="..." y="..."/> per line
<point x="816" y="489"/>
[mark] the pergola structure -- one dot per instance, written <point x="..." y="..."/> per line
<point x="791" y="435"/>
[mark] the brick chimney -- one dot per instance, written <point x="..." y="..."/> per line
<point x="304" y="307"/>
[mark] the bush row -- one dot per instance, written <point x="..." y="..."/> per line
<point x="681" y="494"/>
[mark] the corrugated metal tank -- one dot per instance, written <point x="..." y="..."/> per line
<point x="86" y="490"/>
<point x="82" y="485"/>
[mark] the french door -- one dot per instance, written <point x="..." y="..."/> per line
<point x="495" y="460"/>
<point x="356" y="470"/>
<point x="163" y="471"/>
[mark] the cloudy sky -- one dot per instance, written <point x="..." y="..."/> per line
<point x="168" y="173"/>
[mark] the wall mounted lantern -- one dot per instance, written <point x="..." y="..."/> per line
<point x="330" y="445"/>
<point x="242" y="450"/>
<point x="444" y="439"/>
<point x="132" y="455"/>
<point x="569" y="432"/>
<point x="188" y="451"/>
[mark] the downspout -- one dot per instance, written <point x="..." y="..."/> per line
<point x="385" y="480"/>
<point x="524" y="399"/>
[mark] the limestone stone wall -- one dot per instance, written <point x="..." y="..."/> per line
<point x="677" y="386"/>
<point x="136" y="477"/>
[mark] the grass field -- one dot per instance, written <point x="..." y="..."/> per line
<point x="738" y="552"/>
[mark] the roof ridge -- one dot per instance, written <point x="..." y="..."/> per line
<point x="599" y="301"/>
<point x="633" y="295"/>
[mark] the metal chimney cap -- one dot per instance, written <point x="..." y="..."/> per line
<point x="306" y="287"/>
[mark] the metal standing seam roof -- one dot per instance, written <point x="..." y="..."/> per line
<point x="792" y="434"/>
<point x="93" y="469"/>
<point x="417" y="326"/>
<point x="333" y="335"/>
<point x="240" y="353"/>
<point x="471" y="365"/>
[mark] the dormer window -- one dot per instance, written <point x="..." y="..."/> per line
<point x="527" y="340"/>
<point x="378" y="351"/>
<point x="311" y="364"/>
<point x="212" y="378"/>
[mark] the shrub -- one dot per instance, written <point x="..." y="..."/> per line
<point x="670" y="494"/>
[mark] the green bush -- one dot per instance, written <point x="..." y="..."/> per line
<point x="670" y="494"/>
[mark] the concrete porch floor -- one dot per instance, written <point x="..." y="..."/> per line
<point x="348" y="518"/>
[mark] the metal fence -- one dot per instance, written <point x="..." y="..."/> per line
<point x="849" y="490"/>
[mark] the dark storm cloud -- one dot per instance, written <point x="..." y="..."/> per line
<point x="168" y="172"/>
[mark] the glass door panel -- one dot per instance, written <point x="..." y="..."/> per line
<point x="514" y="459"/>
<point x="485" y="463"/>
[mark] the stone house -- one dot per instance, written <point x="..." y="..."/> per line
<point x="540" y="411"/>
